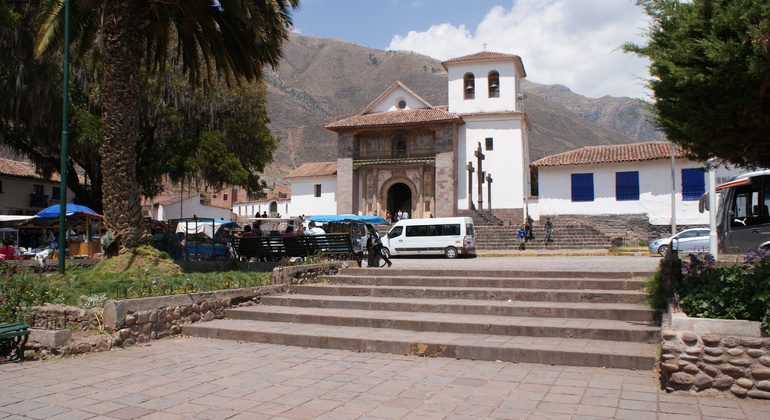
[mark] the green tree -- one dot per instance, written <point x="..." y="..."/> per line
<point x="710" y="76"/>
<point x="232" y="39"/>
<point x="221" y="129"/>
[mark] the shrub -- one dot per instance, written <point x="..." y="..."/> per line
<point x="740" y="291"/>
<point x="21" y="289"/>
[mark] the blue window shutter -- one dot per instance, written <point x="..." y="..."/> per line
<point x="582" y="187"/>
<point x="627" y="186"/>
<point x="693" y="184"/>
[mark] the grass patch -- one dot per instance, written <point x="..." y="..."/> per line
<point x="657" y="295"/>
<point x="628" y="248"/>
<point x="142" y="273"/>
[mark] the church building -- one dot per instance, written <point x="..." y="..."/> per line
<point x="403" y="153"/>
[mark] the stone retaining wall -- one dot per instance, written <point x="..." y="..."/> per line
<point x="309" y="273"/>
<point x="713" y="363"/>
<point x="131" y="321"/>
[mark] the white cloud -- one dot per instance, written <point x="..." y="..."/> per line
<point x="574" y="43"/>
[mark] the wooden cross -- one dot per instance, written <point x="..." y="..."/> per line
<point x="489" y="191"/>
<point x="470" y="169"/>
<point x="479" y="157"/>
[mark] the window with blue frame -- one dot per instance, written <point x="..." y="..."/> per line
<point x="582" y="187"/>
<point x="693" y="184"/>
<point x="627" y="186"/>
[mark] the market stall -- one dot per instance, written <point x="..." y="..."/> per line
<point x="200" y="238"/>
<point x="83" y="232"/>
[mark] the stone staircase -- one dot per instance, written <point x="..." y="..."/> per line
<point x="564" y="236"/>
<point x="481" y="217"/>
<point x="564" y="318"/>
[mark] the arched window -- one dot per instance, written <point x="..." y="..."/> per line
<point x="494" y="84"/>
<point x="469" y="86"/>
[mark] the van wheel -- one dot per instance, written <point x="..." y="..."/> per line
<point x="662" y="250"/>
<point x="385" y="253"/>
<point x="450" y="252"/>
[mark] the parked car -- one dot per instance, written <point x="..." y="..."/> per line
<point x="689" y="240"/>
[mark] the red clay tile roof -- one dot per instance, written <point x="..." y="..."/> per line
<point x="314" y="169"/>
<point x="22" y="169"/>
<point x="489" y="56"/>
<point x="633" y="152"/>
<point x="395" y="118"/>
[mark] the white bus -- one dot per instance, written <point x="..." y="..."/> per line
<point x="743" y="216"/>
<point x="450" y="236"/>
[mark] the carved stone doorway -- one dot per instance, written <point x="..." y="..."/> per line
<point x="400" y="198"/>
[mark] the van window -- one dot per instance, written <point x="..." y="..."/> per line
<point x="433" y="230"/>
<point x="469" y="229"/>
<point x="396" y="231"/>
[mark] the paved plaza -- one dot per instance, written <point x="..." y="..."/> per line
<point x="198" y="378"/>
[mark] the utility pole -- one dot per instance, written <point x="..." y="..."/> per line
<point x="64" y="140"/>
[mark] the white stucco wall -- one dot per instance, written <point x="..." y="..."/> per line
<point x="16" y="194"/>
<point x="482" y="102"/>
<point x="390" y="101"/>
<point x="189" y="208"/>
<point x="304" y="201"/>
<point x="252" y="208"/>
<point x="555" y="190"/>
<point x="506" y="162"/>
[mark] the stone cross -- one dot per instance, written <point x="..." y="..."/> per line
<point x="479" y="157"/>
<point x="489" y="191"/>
<point x="470" y="169"/>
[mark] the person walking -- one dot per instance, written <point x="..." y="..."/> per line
<point x="548" y="226"/>
<point x="528" y="227"/>
<point x="375" y="248"/>
<point x="522" y="234"/>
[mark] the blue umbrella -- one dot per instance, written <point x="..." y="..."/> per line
<point x="70" y="209"/>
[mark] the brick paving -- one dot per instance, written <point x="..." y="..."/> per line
<point x="197" y="378"/>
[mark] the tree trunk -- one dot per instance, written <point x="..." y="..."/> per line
<point x="124" y="53"/>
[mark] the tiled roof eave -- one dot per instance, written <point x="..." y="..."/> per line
<point x="396" y="124"/>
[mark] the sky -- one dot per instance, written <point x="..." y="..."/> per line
<point x="575" y="43"/>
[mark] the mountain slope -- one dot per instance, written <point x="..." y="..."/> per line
<point x="321" y="80"/>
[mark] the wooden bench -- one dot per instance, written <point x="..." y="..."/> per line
<point x="13" y="338"/>
<point x="275" y="248"/>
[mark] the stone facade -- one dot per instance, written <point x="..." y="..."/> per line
<point x="708" y="363"/>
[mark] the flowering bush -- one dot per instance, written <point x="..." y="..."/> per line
<point x="20" y="289"/>
<point x="740" y="291"/>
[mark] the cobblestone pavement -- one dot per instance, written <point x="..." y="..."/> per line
<point x="198" y="378"/>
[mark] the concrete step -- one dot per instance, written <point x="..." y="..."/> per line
<point x="492" y="273"/>
<point x="615" y="311"/>
<point x="549" y="350"/>
<point x="591" y="329"/>
<point x="486" y="282"/>
<point x="513" y="294"/>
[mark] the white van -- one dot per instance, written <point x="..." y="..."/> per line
<point x="450" y="236"/>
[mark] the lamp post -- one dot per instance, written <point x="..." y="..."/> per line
<point x="64" y="140"/>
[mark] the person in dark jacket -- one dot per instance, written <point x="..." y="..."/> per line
<point x="375" y="247"/>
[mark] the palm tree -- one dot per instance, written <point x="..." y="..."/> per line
<point x="233" y="39"/>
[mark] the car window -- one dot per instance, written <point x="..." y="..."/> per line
<point x="690" y="234"/>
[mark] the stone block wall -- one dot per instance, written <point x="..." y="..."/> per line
<point x="711" y="364"/>
<point x="308" y="273"/>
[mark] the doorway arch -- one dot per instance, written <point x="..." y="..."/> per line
<point x="400" y="198"/>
